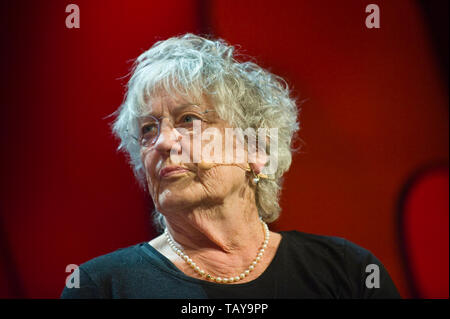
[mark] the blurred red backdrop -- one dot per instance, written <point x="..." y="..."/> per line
<point x="375" y="112"/>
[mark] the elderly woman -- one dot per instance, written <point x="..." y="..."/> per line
<point x="212" y="205"/>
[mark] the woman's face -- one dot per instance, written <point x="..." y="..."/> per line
<point x="176" y="186"/>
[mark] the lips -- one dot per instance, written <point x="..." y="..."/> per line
<point x="171" y="170"/>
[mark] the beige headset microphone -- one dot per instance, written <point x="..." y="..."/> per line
<point x="256" y="177"/>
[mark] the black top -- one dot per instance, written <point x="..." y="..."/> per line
<point x="304" y="266"/>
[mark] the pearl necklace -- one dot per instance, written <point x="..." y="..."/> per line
<point x="179" y="251"/>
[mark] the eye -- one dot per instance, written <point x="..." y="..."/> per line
<point x="189" y="118"/>
<point x="149" y="129"/>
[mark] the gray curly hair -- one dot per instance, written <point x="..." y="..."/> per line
<point x="243" y="94"/>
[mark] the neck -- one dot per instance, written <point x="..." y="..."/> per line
<point x="222" y="236"/>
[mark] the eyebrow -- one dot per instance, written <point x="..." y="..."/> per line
<point x="177" y="109"/>
<point x="184" y="106"/>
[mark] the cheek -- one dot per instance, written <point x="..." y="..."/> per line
<point x="223" y="179"/>
<point x="149" y="161"/>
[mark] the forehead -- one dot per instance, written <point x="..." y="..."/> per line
<point x="163" y="103"/>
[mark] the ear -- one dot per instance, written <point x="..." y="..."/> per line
<point x="261" y="160"/>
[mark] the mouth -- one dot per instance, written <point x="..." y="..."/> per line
<point x="172" y="171"/>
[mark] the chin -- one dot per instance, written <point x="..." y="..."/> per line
<point x="171" y="199"/>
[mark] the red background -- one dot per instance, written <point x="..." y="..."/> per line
<point x="376" y="113"/>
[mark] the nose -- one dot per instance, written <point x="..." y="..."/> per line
<point x="168" y="139"/>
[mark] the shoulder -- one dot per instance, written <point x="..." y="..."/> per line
<point x="323" y="245"/>
<point x="113" y="261"/>
<point x="97" y="275"/>
<point x="320" y="249"/>
<point x="342" y="261"/>
<point x="339" y="249"/>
